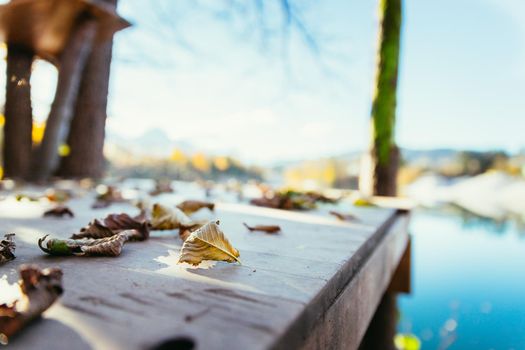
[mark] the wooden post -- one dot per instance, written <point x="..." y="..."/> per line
<point x="87" y="133"/>
<point x="72" y="63"/>
<point x="18" y="113"/>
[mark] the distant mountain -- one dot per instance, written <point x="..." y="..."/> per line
<point x="153" y="142"/>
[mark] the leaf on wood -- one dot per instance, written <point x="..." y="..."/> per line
<point x="191" y="206"/>
<point x="107" y="246"/>
<point x="186" y="231"/>
<point x="108" y="195"/>
<point x="95" y="229"/>
<point x="208" y="243"/>
<point x="56" y="195"/>
<point x="7" y="248"/>
<point x="113" y="225"/>
<point x="162" y="186"/>
<point x="59" y="211"/>
<point x="263" y="228"/>
<point x="343" y="217"/>
<point x="39" y="290"/>
<point x="120" y="222"/>
<point x="165" y="218"/>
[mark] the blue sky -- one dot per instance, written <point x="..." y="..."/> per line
<point x="462" y="79"/>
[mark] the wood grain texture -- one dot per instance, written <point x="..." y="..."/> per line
<point x="317" y="274"/>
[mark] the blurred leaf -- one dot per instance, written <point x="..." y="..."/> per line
<point x="7" y="248"/>
<point x="191" y="206"/>
<point x="164" y="218"/>
<point x="208" y="243"/>
<point x="59" y="211"/>
<point x="343" y="217"/>
<point x="263" y="228"/>
<point x="39" y="290"/>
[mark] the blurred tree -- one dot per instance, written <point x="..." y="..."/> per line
<point x="384" y="152"/>
<point x="87" y="131"/>
<point x="18" y="112"/>
<point x="72" y="62"/>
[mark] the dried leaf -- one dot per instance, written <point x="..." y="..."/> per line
<point x="114" y="224"/>
<point x="7" y="248"/>
<point x="162" y="186"/>
<point x="56" y="195"/>
<point x="39" y="291"/>
<point x="95" y="229"/>
<point x="263" y="228"/>
<point x="185" y="232"/>
<point x="59" y="211"/>
<point x="208" y="243"/>
<point x="164" y="218"/>
<point x="288" y="200"/>
<point x="191" y="206"/>
<point x="120" y="222"/>
<point x="107" y="196"/>
<point x="343" y="217"/>
<point x="108" y="246"/>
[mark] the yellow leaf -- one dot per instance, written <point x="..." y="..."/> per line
<point x="165" y="218"/>
<point x="208" y="243"/>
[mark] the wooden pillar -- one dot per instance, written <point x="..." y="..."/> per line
<point x="87" y="133"/>
<point x="72" y="63"/>
<point x="383" y="327"/>
<point x="18" y="113"/>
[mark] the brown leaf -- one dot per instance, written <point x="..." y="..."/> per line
<point x="107" y="246"/>
<point x="162" y="186"/>
<point x="59" y="211"/>
<point x="186" y="231"/>
<point x="7" y="248"/>
<point x="39" y="289"/>
<point x="114" y="224"/>
<point x="343" y="217"/>
<point x="95" y="229"/>
<point x="191" y="206"/>
<point x="119" y="222"/>
<point x="263" y="228"/>
<point x="208" y="243"/>
<point x="109" y="195"/>
<point x="165" y="218"/>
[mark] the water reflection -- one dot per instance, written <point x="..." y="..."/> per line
<point x="468" y="290"/>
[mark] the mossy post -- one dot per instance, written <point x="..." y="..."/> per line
<point x="385" y="154"/>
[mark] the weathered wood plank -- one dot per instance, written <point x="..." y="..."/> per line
<point x="287" y="287"/>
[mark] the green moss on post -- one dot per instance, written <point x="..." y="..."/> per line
<point x="384" y="150"/>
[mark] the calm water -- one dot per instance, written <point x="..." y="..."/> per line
<point x="468" y="288"/>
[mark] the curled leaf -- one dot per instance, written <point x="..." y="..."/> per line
<point x="119" y="222"/>
<point x="164" y="218"/>
<point x="343" y="217"/>
<point x="39" y="289"/>
<point x="7" y="248"/>
<point x="107" y="246"/>
<point x="114" y="224"/>
<point x="185" y="232"/>
<point x="59" y="211"/>
<point x="263" y="228"/>
<point x="191" y="206"/>
<point x="208" y="243"/>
